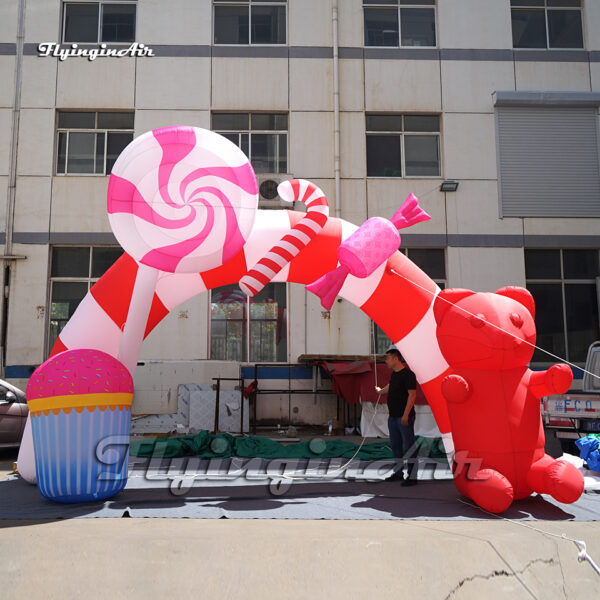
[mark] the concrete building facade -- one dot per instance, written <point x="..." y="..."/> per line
<point x="370" y="100"/>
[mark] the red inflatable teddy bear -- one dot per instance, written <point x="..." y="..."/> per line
<point x="494" y="399"/>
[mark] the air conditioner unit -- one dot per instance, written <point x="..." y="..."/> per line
<point x="268" y="198"/>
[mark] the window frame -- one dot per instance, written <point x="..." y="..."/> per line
<point x="90" y="280"/>
<point x="546" y="9"/>
<point x="563" y="282"/>
<point x="97" y="130"/>
<point x="99" y="28"/>
<point x="246" y="348"/>
<point x="402" y="135"/>
<point x="249" y="132"/>
<point x="441" y="282"/>
<point x="389" y="5"/>
<point x="250" y="3"/>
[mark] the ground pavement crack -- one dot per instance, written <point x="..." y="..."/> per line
<point x="562" y="574"/>
<point x="502" y="573"/>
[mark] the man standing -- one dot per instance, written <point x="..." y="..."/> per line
<point x="401" y="392"/>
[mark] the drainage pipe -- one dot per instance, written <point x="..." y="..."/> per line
<point x="12" y="173"/>
<point x="8" y="257"/>
<point x="336" y="113"/>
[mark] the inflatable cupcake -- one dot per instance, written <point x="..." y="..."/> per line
<point x="80" y="406"/>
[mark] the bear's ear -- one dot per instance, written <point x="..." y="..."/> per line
<point x="445" y="299"/>
<point x="519" y="294"/>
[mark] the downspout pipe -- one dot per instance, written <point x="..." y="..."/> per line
<point x="12" y="172"/>
<point x="8" y="257"/>
<point x="336" y="112"/>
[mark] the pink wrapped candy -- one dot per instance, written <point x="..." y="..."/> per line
<point x="367" y="248"/>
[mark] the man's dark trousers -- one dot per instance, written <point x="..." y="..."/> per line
<point x="402" y="441"/>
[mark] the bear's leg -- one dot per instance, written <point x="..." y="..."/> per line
<point x="558" y="478"/>
<point x="487" y="487"/>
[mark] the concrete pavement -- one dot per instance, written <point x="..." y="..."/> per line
<point x="8" y="456"/>
<point x="148" y="558"/>
<point x="236" y="558"/>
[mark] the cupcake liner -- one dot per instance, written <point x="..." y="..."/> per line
<point x="81" y="456"/>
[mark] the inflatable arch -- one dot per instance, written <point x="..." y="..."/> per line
<point x="398" y="296"/>
<point x="182" y="202"/>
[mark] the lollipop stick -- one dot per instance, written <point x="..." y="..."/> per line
<point x="137" y="317"/>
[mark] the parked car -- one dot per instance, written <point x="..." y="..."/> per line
<point x="13" y="414"/>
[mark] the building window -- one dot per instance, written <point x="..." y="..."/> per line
<point x="430" y="260"/>
<point x="546" y="23"/>
<point x="90" y="142"/>
<point x="403" y="145"/>
<point x="261" y="136"/>
<point x="394" y="23"/>
<point x="247" y="329"/>
<point x="95" y="22"/>
<point x="249" y="22"/>
<point x="564" y="285"/>
<point x="73" y="271"/>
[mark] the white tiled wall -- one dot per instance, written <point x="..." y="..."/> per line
<point x="311" y="84"/>
<point x="485" y="269"/>
<point x="42" y="21"/>
<point x="474" y="24"/>
<point x="5" y="137"/>
<point x="556" y="76"/>
<point x="38" y="86"/>
<point x="405" y="85"/>
<point x="7" y="75"/>
<point x="250" y="84"/>
<point x="31" y="214"/>
<point x="36" y="142"/>
<point x="8" y="22"/>
<point x="160" y="22"/>
<point x="97" y="84"/>
<point x="311" y="144"/>
<point x="467" y="86"/>
<point x="310" y="23"/>
<point x="169" y="83"/>
<point x="79" y="204"/>
<point x="28" y="305"/>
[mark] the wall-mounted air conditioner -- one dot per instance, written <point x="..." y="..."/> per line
<point x="268" y="198"/>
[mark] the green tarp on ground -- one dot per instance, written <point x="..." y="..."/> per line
<point x="223" y="445"/>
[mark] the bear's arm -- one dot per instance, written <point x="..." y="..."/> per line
<point x="556" y="380"/>
<point x="455" y="388"/>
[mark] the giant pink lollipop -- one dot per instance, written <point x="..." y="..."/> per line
<point x="180" y="199"/>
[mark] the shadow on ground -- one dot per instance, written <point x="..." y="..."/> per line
<point x="430" y="500"/>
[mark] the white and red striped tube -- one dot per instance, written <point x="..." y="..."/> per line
<point x="398" y="296"/>
<point x="293" y="190"/>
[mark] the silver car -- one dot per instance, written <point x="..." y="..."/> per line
<point x="13" y="414"/>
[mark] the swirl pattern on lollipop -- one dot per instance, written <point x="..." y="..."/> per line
<point x="182" y="199"/>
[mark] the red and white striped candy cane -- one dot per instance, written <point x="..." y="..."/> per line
<point x="293" y="242"/>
